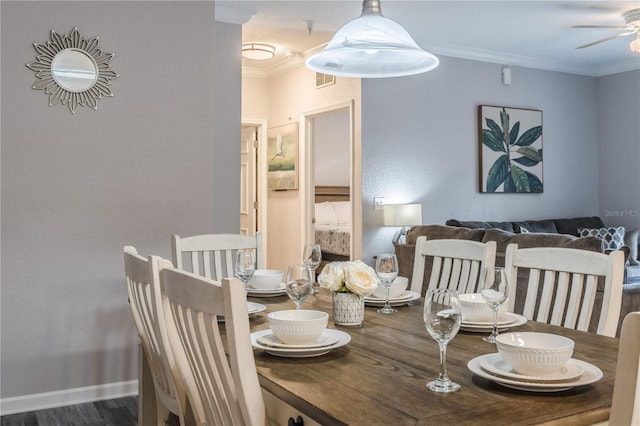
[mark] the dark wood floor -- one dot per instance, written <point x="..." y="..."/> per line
<point x="113" y="412"/>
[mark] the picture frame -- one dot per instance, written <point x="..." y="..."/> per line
<point x="282" y="157"/>
<point x="510" y="141"/>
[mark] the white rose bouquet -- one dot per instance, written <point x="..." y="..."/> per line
<point x="349" y="277"/>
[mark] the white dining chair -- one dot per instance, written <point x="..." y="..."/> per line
<point x="457" y="264"/>
<point x="212" y="255"/>
<point x="223" y="388"/>
<point x="625" y="406"/>
<point x="146" y="307"/>
<point x="562" y="285"/>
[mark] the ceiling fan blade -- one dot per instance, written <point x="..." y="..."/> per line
<point x="614" y="27"/>
<point x="607" y="39"/>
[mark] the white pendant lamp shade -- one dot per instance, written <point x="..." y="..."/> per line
<point x="372" y="46"/>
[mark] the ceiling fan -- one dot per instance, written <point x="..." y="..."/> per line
<point x="632" y="19"/>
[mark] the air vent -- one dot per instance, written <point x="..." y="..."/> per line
<point x="323" y="80"/>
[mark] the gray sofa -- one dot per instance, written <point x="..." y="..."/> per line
<point x="406" y="252"/>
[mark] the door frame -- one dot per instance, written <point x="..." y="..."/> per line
<point x="261" y="180"/>
<point x="355" y="181"/>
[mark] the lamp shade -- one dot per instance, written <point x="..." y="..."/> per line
<point x="402" y="214"/>
<point x="372" y="46"/>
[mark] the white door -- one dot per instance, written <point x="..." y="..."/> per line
<point x="248" y="196"/>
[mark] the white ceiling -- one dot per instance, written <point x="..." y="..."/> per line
<point x="535" y="34"/>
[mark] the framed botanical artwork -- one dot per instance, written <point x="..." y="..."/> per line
<point x="510" y="149"/>
<point x="282" y="157"/>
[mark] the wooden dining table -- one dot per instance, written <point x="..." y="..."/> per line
<point x="379" y="377"/>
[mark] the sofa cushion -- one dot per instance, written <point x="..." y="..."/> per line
<point x="612" y="238"/>
<point x="570" y="226"/>
<point x="443" y="232"/>
<point x="507" y="226"/>
<point x="528" y="226"/>
<point x="526" y="240"/>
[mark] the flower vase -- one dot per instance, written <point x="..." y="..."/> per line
<point x="348" y="308"/>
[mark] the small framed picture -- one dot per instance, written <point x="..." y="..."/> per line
<point x="282" y="157"/>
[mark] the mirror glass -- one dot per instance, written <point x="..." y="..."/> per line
<point x="74" y="70"/>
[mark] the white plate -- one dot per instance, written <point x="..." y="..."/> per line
<point x="590" y="375"/>
<point x="325" y="339"/>
<point x="508" y="319"/>
<point x="342" y="339"/>
<point x="398" y="301"/>
<point x="269" y="292"/>
<point x="255" y="307"/>
<point x="518" y="320"/>
<point x="497" y="366"/>
<point x="252" y="308"/>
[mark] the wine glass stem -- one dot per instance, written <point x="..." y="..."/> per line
<point x="387" y="305"/>
<point x="443" y="363"/>
<point x="495" y="322"/>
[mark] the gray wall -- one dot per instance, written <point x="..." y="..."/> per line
<point x="619" y="136"/>
<point x="420" y="144"/>
<point x="77" y="188"/>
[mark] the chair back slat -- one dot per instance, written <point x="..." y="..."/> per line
<point x="456" y="264"/>
<point x="145" y="300"/>
<point x="570" y="280"/>
<point x="212" y="255"/>
<point x="223" y="384"/>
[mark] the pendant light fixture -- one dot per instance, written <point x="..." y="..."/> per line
<point x="372" y="46"/>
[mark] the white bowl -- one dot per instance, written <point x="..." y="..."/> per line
<point x="298" y="327"/>
<point x="535" y="354"/>
<point x="265" y="279"/>
<point x="398" y="286"/>
<point x="476" y="309"/>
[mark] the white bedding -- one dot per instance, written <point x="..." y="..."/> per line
<point x="333" y="227"/>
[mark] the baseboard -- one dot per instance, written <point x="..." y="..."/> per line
<point x="41" y="401"/>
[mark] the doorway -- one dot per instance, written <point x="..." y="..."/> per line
<point x="253" y="186"/>
<point x="329" y="162"/>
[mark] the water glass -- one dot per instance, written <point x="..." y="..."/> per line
<point x="244" y="265"/>
<point x="494" y="290"/>
<point x="387" y="271"/>
<point x="299" y="283"/>
<point x="312" y="256"/>
<point x="442" y="317"/>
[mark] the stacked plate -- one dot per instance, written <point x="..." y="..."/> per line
<point x="329" y="339"/>
<point x="405" y="297"/>
<point x="509" y="320"/>
<point x="574" y="373"/>
<point x="270" y="292"/>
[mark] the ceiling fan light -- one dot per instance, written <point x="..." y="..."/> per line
<point x="372" y="46"/>
<point x="258" y="51"/>
<point x="635" y="45"/>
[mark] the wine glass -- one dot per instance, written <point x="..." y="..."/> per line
<point x="494" y="290"/>
<point x="312" y="256"/>
<point x="299" y="283"/>
<point x="244" y="266"/>
<point x="387" y="271"/>
<point x="442" y="318"/>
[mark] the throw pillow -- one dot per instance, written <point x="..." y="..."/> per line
<point x="631" y="241"/>
<point x="612" y="238"/>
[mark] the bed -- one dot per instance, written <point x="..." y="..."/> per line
<point x="333" y="222"/>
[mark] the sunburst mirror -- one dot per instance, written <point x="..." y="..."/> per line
<point x="72" y="70"/>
